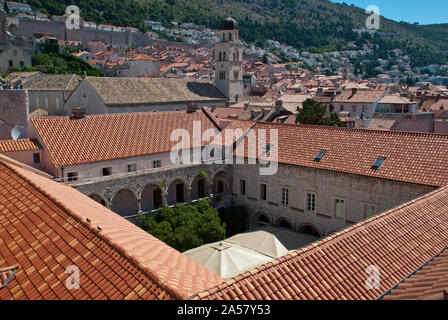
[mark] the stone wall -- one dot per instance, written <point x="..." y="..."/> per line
<point x="28" y="27"/>
<point x="107" y="188"/>
<point x="356" y="190"/>
<point x="14" y="111"/>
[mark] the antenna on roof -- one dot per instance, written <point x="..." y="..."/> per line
<point x="18" y="133"/>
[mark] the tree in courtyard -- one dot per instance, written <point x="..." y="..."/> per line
<point x="184" y="227"/>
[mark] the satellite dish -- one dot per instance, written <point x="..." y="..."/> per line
<point x="19" y="132"/>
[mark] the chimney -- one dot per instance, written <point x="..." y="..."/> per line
<point x="192" y="108"/>
<point x="354" y="91"/>
<point x="78" y="113"/>
<point x="246" y="106"/>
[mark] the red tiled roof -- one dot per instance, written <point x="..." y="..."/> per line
<point x="46" y="227"/>
<point x="143" y="57"/>
<point x="113" y="136"/>
<point x="410" y="157"/>
<point x="17" y="145"/>
<point x="396" y="242"/>
<point x="428" y="283"/>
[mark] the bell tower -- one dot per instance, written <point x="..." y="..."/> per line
<point x="229" y="61"/>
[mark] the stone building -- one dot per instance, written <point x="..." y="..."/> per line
<point x="324" y="178"/>
<point x="329" y="178"/>
<point x="50" y="92"/>
<point x="118" y="95"/>
<point x="14" y="111"/>
<point x="229" y="61"/>
<point x="14" y="57"/>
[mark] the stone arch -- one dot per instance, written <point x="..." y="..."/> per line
<point x="263" y="219"/>
<point x="310" y="229"/>
<point x="125" y="203"/>
<point x="177" y="192"/>
<point x="199" y="187"/>
<point x="283" y="222"/>
<point x="99" y="199"/>
<point x="151" y="197"/>
<point x="221" y="182"/>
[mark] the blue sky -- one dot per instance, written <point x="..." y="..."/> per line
<point x="425" y="12"/>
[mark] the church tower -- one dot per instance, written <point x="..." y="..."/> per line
<point x="229" y="61"/>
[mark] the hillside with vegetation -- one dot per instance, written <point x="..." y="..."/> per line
<point x="312" y="25"/>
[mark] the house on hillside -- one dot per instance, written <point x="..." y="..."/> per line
<point x="361" y="104"/>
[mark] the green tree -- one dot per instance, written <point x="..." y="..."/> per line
<point x="313" y="112"/>
<point x="185" y="226"/>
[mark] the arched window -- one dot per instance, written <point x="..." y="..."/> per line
<point x="220" y="56"/>
<point x="224" y="56"/>
<point x="230" y="36"/>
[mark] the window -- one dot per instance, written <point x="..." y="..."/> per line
<point x="107" y="171"/>
<point x="285" y="197"/>
<point x="364" y="109"/>
<point x="222" y="75"/>
<point x="132" y="167"/>
<point x="378" y="163"/>
<point x="320" y="155"/>
<point x="342" y="107"/>
<point x="236" y="74"/>
<point x="369" y="210"/>
<point x="11" y="63"/>
<point x="72" y="176"/>
<point x="311" y="202"/>
<point x="36" y="158"/>
<point x="22" y="64"/>
<point x="243" y="187"/>
<point x="263" y="191"/>
<point x="157" y="164"/>
<point x="339" y="208"/>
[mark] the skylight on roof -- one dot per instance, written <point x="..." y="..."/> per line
<point x="320" y="155"/>
<point x="267" y="149"/>
<point x="378" y="163"/>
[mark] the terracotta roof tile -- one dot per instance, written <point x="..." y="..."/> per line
<point x="18" y="145"/>
<point x="429" y="282"/>
<point x="137" y="91"/>
<point x="96" y="137"/>
<point x="410" y="157"/>
<point x="334" y="269"/>
<point x="44" y="229"/>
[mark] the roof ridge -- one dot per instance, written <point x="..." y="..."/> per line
<point x="381" y="132"/>
<point x="101" y="235"/>
<point x="312" y="246"/>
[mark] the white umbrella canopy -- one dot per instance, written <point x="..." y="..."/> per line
<point x="262" y="240"/>
<point x="227" y="259"/>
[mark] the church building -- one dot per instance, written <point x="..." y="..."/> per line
<point x="229" y="61"/>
